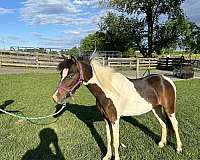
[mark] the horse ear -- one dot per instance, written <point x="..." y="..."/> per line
<point x="73" y="59"/>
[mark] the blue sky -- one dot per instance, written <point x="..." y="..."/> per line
<point x="57" y="23"/>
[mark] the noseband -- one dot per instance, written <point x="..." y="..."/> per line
<point x="80" y="81"/>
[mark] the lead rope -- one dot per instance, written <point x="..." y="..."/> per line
<point x="33" y="118"/>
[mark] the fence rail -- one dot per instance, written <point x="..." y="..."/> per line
<point x="132" y="62"/>
<point x="36" y="60"/>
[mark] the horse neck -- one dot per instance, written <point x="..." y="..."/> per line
<point x="88" y="74"/>
<point x="87" y="70"/>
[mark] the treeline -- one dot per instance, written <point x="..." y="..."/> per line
<point x="150" y="26"/>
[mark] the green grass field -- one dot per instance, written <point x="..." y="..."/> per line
<point x="79" y="133"/>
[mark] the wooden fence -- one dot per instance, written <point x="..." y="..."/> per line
<point x="144" y="63"/>
<point x="38" y="60"/>
<point x="35" y="60"/>
<point x="176" y="62"/>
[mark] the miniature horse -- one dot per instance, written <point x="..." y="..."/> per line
<point x="118" y="96"/>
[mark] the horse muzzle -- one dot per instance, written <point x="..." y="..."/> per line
<point x="58" y="99"/>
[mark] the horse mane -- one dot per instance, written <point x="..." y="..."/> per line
<point x="104" y="75"/>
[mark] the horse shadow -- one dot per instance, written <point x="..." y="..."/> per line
<point x="156" y="138"/>
<point x="43" y="151"/>
<point x="90" y="114"/>
<point x="6" y="104"/>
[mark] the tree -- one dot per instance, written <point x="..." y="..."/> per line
<point x="150" y="15"/>
<point x="73" y="52"/>
<point x="119" y="32"/>
<point x="184" y="33"/>
<point x="89" y="42"/>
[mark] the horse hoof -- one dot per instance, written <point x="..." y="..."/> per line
<point x="107" y="158"/>
<point x="179" y="150"/>
<point x="161" y="144"/>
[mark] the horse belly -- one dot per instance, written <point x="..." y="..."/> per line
<point x="135" y="107"/>
<point x="131" y="103"/>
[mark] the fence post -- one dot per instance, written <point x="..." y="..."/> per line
<point x="108" y="62"/>
<point x="137" y="67"/>
<point x="103" y="61"/>
<point x="149" y="62"/>
<point x="1" y="59"/>
<point x="167" y="62"/>
<point x="37" y="60"/>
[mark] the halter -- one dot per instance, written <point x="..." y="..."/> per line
<point x="80" y="81"/>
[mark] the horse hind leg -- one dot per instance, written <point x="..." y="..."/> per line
<point x="175" y="127"/>
<point x="160" y="117"/>
<point x="169" y="108"/>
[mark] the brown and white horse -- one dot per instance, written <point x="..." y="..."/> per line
<point x="118" y="96"/>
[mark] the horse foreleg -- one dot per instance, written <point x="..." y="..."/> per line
<point x="158" y="114"/>
<point x="115" y="129"/>
<point x="175" y="127"/>
<point x="109" y="140"/>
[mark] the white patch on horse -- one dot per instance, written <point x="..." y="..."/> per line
<point x="171" y="82"/>
<point x="64" y="73"/>
<point x="120" y="90"/>
<point x="175" y="126"/>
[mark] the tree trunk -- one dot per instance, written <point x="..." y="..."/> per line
<point x="150" y="31"/>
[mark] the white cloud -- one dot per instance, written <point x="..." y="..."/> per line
<point x="59" y="41"/>
<point x="6" y="11"/>
<point x="48" y="11"/>
<point x="62" y="12"/>
<point x="86" y="2"/>
<point x="73" y="32"/>
<point x="77" y="17"/>
<point x="191" y="9"/>
<point x="12" y="40"/>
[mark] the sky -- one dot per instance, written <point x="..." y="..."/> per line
<point x="58" y="23"/>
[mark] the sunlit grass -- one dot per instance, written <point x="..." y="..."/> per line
<point x="79" y="133"/>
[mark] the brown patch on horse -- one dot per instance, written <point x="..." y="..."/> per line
<point x="149" y="88"/>
<point x="169" y="98"/>
<point x="104" y="104"/>
<point x="157" y="91"/>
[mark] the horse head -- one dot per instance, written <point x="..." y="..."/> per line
<point x="71" y="79"/>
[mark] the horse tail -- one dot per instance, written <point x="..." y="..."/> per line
<point x="170" y="130"/>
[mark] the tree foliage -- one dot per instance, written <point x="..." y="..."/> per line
<point x="142" y="22"/>
<point x="98" y="38"/>
<point x="183" y="33"/>
<point x="73" y="52"/>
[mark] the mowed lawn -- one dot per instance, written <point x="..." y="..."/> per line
<point x="79" y="132"/>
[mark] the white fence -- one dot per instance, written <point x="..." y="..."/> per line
<point x="132" y="62"/>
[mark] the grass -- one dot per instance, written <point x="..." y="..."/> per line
<point x="79" y="133"/>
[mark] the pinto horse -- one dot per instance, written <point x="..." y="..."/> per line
<point x="118" y="96"/>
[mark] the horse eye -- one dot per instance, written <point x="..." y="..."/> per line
<point x="69" y="76"/>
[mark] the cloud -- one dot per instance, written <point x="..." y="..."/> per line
<point x="12" y="40"/>
<point x="75" y="32"/>
<point x="86" y="2"/>
<point x="77" y="19"/>
<point x="59" y="41"/>
<point x="6" y="11"/>
<point x="191" y="9"/>
<point x="48" y="11"/>
<point x="60" y="12"/>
